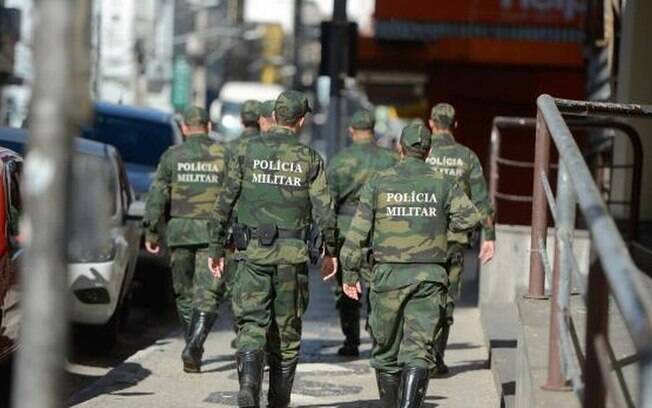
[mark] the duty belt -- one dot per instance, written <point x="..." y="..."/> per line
<point x="347" y="209"/>
<point x="282" y="233"/>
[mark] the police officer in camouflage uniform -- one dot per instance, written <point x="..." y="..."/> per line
<point x="249" y="116"/>
<point x="280" y="187"/>
<point x="459" y="163"/>
<point x="187" y="182"/>
<point x="347" y="172"/>
<point x="404" y="214"/>
<point x="266" y="120"/>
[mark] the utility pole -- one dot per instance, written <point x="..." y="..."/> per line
<point x="337" y="40"/>
<point x="60" y="107"/>
<point x="298" y="43"/>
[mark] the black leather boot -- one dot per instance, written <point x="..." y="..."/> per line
<point x="250" y="374"/>
<point x="281" y="378"/>
<point x="414" y="384"/>
<point x="350" y="322"/>
<point x="201" y="324"/>
<point x="388" y="385"/>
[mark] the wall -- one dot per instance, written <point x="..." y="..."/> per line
<point x="635" y="86"/>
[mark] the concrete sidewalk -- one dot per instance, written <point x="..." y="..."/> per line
<point x="154" y="378"/>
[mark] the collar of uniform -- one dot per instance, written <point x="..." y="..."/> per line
<point x="281" y="131"/>
<point x="411" y="161"/>
<point x="442" y="137"/>
<point x="197" y="136"/>
<point x="249" y="132"/>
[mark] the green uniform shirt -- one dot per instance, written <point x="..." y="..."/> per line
<point x="276" y="181"/>
<point x="461" y="163"/>
<point x="187" y="182"/>
<point x="349" y="170"/>
<point x="405" y="213"/>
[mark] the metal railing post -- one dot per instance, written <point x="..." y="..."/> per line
<point x="61" y="109"/>
<point x="539" y="209"/>
<point x="597" y="323"/>
<point x="561" y="284"/>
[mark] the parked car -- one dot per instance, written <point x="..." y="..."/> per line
<point x="140" y="135"/>
<point x="11" y="165"/>
<point x="225" y="110"/>
<point x="100" y="275"/>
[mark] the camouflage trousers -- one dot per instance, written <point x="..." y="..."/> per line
<point x="194" y="284"/>
<point x="454" y="268"/>
<point x="402" y="325"/>
<point x="268" y="303"/>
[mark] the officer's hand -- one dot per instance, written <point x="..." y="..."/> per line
<point x="152" y="247"/>
<point x="328" y="267"/>
<point x="352" y="290"/>
<point x="216" y="266"/>
<point x="487" y="251"/>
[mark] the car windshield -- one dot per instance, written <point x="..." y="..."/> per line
<point x="229" y="126"/>
<point x="138" y="141"/>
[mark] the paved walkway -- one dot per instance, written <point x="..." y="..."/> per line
<point x="153" y="377"/>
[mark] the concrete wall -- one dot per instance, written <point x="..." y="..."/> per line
<point x="635" y="86"/>
<point x="507" y="276"/>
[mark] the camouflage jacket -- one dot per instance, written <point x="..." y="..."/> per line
<point x="236" y="146"/>
<point x="462" y="164"/>
<point x="186" y="185"/>
<point x="276" y="181"/>
<point x="405" y="213"/>
<point x="348" y="171"/>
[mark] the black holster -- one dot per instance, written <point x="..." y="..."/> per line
<point x="315" y="242"/>
<point x="241" y="236"/>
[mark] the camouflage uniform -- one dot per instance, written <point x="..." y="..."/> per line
<point x="280" y="187"/>
<point x="187" y="182"/>
<point x="461" y="164"/>
<point x="405" y="213"/>
<point x="249" y="117"/>
<point x="347" y="172"/>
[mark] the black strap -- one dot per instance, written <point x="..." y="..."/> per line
<point x="283" y="233"/>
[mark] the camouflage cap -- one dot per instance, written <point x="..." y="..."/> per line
<point x="443" y="113"/>
<point x="416" y="137"/>
<point x="267" y="108"/>
<point x="195" y="116"/>
<point x="291" y="106"/>
<point x="362" y="120"/>
<point x="250" y="111"/>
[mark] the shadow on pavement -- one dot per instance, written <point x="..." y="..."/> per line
<point x="428" y="403"/>
<point x="121" y="378"/>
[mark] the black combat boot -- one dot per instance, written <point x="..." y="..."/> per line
<point x="350" y="322"/>
<point x="250" y="376"/>
<point x="414" y="384"/>
<point x="201" y="324"/>
<point x="388" y="385"/>
<point x="281" y="378"/>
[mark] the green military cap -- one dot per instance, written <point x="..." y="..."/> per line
<point x="362" y="120"/>
<point x="443" y="113"/>
<point x="267" y="108"/>
<point x="416" y="137"/>
<point x="195" y="116"/>
<point x="291" y="106"/>
<point x="250" y="111"/>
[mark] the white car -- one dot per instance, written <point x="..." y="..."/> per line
<point x="225" y="110"/>
<point x="106" y="238"/>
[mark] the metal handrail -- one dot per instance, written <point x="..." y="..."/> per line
<point x="574" y="123"/>
<point x="616" y="273"/>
